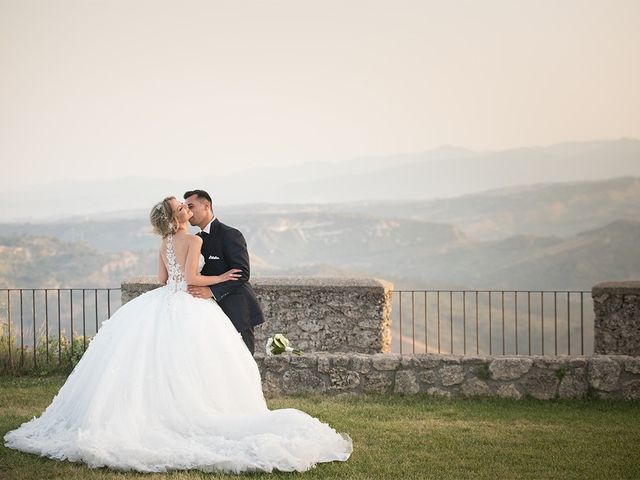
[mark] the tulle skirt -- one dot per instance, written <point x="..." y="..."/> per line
<point x="167" y="383"/>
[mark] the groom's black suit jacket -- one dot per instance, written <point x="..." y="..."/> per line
<point x="225" y="248"/>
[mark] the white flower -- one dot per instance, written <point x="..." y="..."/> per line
<point x="278" y="344"/>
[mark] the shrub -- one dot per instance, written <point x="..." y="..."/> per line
<point x="63" y="354"/>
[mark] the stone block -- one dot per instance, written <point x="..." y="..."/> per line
<point x="439" y="392"/>
<point x="428" y="376"/>
<point x="631" y="390"/>
<point x="452" y="359"/>
<point x="406" y="383"/>
<point x="360" y="363"/>
<point x="474" y="360"/>
<point x="324" y="363"/>
<point x="632" y="365"/>
<point x="340" y="360"/>
<point x="475" y="388"/>
<point x="302" y="361"/>
<point x="301" y="381"/>
<point x="541" y="384"/>
<point x="604" y="373"/>
<point x="385" y="361"/>
<point x="343" y="379"/>
<point x="509" y="368"/>
<point x="509" y="391"/>
<point x="617" y="318"/>
<point x="574" y="384"/>
<point x="426" y="361"/>
<point x="276" y="363"/>
<point x="272" y="384"/>
<point x="378" y="382"/>
<point x="451" y="375"/>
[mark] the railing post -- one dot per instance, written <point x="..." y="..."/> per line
<point x="617" y="318"/>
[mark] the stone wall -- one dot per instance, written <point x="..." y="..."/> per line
<point x="315" y="313"/>
<point x="617" y="318"/>
<point x="133" y="287"/>
<point x="326" y="314"/>
<point x="343" y="325"/>
<point x="451" y="376"/>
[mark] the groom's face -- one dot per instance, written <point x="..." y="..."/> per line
<point x="200" y="209"/>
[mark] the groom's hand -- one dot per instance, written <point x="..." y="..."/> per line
<point x="200" y="292"/>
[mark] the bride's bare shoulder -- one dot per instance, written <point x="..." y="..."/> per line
<point x="192" y="239"/>
<point x="184" y="235"/>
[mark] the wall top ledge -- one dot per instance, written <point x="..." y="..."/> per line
<point x="631" y="287"/>
<point x="142" y="280"/>
<point x="296" y="282"/>
<point x="323" y="282"/>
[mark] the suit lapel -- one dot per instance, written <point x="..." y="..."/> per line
<point x="214" y="230"/>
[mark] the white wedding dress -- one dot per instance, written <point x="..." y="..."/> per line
<point x="167" y="383"/>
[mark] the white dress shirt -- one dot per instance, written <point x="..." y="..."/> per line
<point x="207" y="229"/>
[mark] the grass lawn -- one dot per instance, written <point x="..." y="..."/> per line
<point x="404" y="437"/>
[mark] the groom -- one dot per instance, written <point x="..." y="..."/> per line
<point x="223" y="248"/>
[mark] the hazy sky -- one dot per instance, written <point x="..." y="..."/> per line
<point x="115" y="88"/>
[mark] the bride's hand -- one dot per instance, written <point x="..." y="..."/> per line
<point x="200" y="292"/>
<point x="233" y="274"/>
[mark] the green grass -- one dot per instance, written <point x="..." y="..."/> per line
<point x="404" y="437"/>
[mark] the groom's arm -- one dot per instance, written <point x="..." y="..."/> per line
<point x="234" y="249"/>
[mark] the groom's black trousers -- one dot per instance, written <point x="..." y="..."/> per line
<point x="249" y="340"/>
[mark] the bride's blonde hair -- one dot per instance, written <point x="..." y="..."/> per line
<point x="162" y="218"/>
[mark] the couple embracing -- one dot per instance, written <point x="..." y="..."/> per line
<point x="169" y="381"/>
<point x="224" y="247"/>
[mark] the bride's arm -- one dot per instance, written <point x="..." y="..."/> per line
<point x="191" y="274"/>
<point x="163" y="275"/>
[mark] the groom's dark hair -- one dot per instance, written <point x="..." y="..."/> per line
<point x="199" y="194"/>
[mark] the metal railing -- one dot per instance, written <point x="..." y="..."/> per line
<point x="492" y="322"/>
<point x="47" y="326"/>
<point x="43" y="326"/>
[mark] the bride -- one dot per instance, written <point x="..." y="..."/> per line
<point x="167" y="383"/>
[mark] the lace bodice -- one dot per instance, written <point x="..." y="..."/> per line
<point x="176" y="278"/>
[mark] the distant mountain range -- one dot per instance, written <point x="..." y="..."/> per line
<point x="562" y="209"/>
<point x="557" y="236"/>
<point x="426" y="177"/>
<point x="446" y="172"/>
<point x="35" y="261"/>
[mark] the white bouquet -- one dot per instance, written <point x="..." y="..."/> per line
<point x="279" y="344"/>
